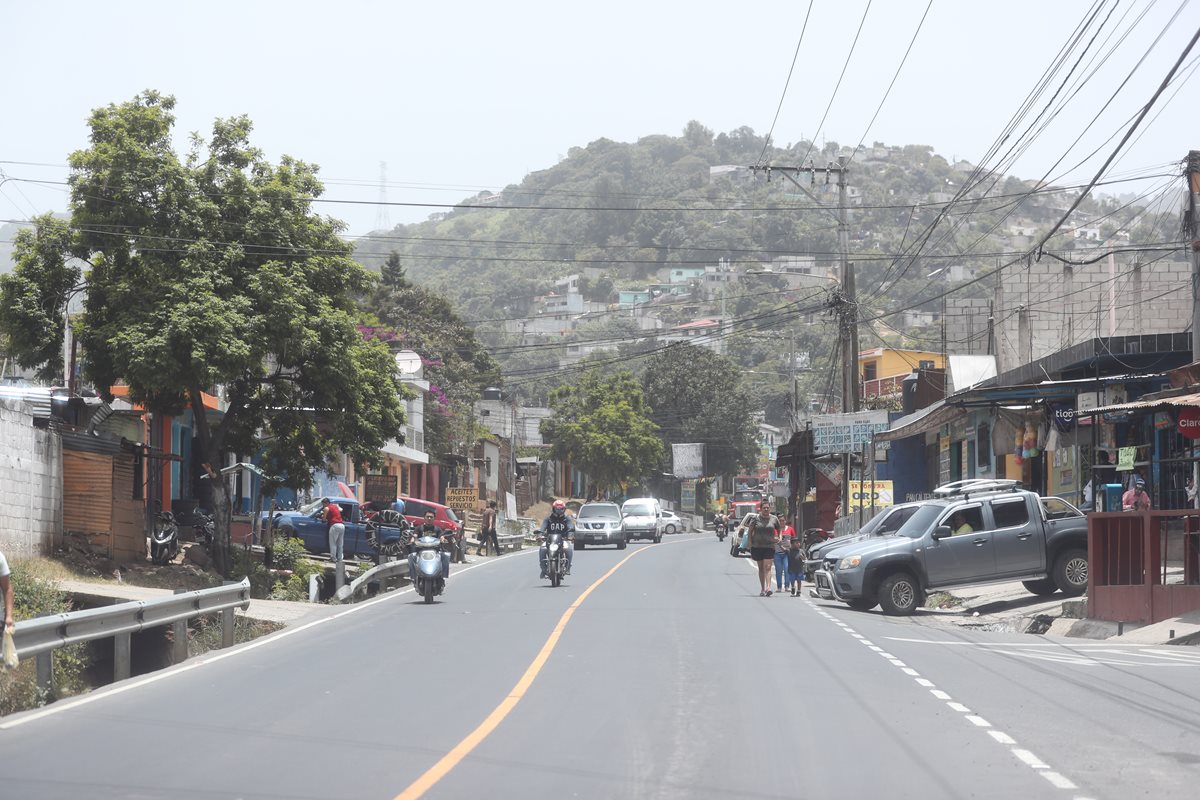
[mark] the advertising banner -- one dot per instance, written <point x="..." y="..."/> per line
<point x="687" y="496"/>
<point x="860" y="494"/>
<point x="464" y="498"/>
<point x="846" y="433"/>
<point x="687" y="460"/>
<point x="380" y="488"/>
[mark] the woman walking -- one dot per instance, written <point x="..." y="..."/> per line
<point x="782" y="545"/>
<point x="764" y="534"/>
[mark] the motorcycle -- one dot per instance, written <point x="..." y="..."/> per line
<point x="556" y="558"/>
<point x="164" y="539"/>
<point x="204" y="530"/>
<point x="427" y="565"/>
<point x="722" y="530"/>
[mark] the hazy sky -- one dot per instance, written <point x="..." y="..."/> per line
<point x="463" y="96"/>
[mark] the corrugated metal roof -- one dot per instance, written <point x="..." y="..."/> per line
<point x="923" y="421"/>
<point x="1136" y="405"/>
<point x="38" y="398"/>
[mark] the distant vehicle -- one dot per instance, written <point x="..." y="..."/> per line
<point x="599" y="523"/>
<point x="643" y="519"/>
<point x="748" y="495"/>
<point x="671" y="523"/>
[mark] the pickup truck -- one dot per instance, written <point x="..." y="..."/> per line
<point x="983" y="533"/>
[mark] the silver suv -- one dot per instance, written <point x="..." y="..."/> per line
<point x="973" y="532"/>
<point x="599" y="523"/>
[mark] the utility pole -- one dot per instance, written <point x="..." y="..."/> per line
<point x="844" y="301"/>
<point x="1192" y="225"/>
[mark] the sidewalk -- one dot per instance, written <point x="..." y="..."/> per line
<point x="1011" y="607"/>
<point x="279" y="611"/>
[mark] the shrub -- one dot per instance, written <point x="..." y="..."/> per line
<point x="36" y="592"/>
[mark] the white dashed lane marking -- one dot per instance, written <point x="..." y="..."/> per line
<point x="1084" y="656"/>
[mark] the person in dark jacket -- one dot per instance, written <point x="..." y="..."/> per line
<point x="795" y="565"/>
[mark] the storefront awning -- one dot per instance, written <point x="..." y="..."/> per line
<point x="923" y="421"/>
<point x="1179" y="401"/>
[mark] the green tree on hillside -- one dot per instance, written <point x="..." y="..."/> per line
<point x="210" y="271"/>
<point x="601" y="425"/>
<point x="698" y="397"/>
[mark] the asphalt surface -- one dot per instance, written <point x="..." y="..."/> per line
<point x="669" y="679"/>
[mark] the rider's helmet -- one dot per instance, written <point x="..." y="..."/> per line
<point x="558" y="508"/>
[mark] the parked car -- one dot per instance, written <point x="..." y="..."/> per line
<point x="443" y="516"/>
<point x="671" y="523"/>
<point x="973" y="532"/>
<point x="643" y="519"/>
<point x="886" y="522"/>
<point x="599" y="523"/>
<point x="306" y="524"/>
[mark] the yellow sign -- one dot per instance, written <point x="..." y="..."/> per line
<point x="465" y="498"/>
<point x="860" y="494"/>
<point x="1125" y="457"/>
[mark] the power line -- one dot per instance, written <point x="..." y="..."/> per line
<point x="786" y="83"/>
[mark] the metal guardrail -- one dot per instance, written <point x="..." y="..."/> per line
<point x="386" y="571"/>
<point x="40" y="637"/>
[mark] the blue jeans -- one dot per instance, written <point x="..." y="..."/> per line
<point x="795" y="579"/>
<point x="780" y="567"/>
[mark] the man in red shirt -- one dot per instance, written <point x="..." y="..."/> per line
<point x="337" y="529"/>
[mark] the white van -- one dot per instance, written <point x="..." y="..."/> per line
<point x="643" y="519"/>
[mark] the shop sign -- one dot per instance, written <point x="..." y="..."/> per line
<point x="1083" y="402"/>
<point x="464" y="498"/>
<point x="1163" y="421"/>
<point x="861" y="493"/>
<point x="1189" y="422"/>
<point x="1125" y="458"/>
<point x="1064" y="417"/>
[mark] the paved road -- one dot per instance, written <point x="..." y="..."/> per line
<point x="671" y="678"/>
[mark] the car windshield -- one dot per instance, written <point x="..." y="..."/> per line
<point x="598" y="510"/>
<point x="919" y="522"/>
<point x="637" y="510"/>
<point x="309" y="508"/>
<point x="450" y="513"/>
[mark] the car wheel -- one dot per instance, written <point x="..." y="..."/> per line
<point x="1043" y="587"/>
<point x="899" y="594"/>
<point x="862" y="603"/>
<point x="670" y="529"/>
<point x="1071" y="571"/>
<point x="621" y="545"/>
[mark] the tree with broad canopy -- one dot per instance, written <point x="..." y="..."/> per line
<point x="202" y="272"/>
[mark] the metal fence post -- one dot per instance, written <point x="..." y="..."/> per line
<point x="180" y="634"/>
<point x="227" y="623"/>
<point x="122" y="651"/>
<point x="45" y="671"/>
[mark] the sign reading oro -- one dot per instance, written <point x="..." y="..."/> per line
<point x="465" y="498"/>
<point x="861" y="494"/>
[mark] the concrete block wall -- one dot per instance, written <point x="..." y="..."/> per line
<point x="1067" y="306"/>
<point x="31" y="477"/>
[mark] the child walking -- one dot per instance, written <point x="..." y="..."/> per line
<point x="795" y="566"/>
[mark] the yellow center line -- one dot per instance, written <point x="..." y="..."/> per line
<point x="473" y="739"/>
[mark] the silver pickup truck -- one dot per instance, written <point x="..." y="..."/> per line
<point x="974" y="532"/>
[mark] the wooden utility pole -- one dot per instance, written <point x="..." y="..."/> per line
<point x="1192" y="227"/>
<point x="844" y="302"/>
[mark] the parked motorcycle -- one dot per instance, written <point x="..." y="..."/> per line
<point x="204" y="530"/>
<point x="164" y="539"/>
<point x="428" y="565"/>
<point x="556" y="558"/>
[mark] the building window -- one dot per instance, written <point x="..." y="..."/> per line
<point x="869" y="372"/>
<point x="983" y="446"/>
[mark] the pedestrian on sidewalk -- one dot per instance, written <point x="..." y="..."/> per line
<point x="795" y="566"/>
<point x="336" y="527"/>
<point x="487" y="526"/>
<point x="7" y="588"/>
<point x="782" y="545"/>
<point x="764" y="533"/>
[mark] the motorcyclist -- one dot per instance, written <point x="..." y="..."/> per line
<point x="427" y="528"/>
<point x="557" y="522"/>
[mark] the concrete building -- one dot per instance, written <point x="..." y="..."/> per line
<point x="884" y="369"/>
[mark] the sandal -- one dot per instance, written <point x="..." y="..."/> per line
<point x="768" y="593"/>
<point x="762" y="594"/>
